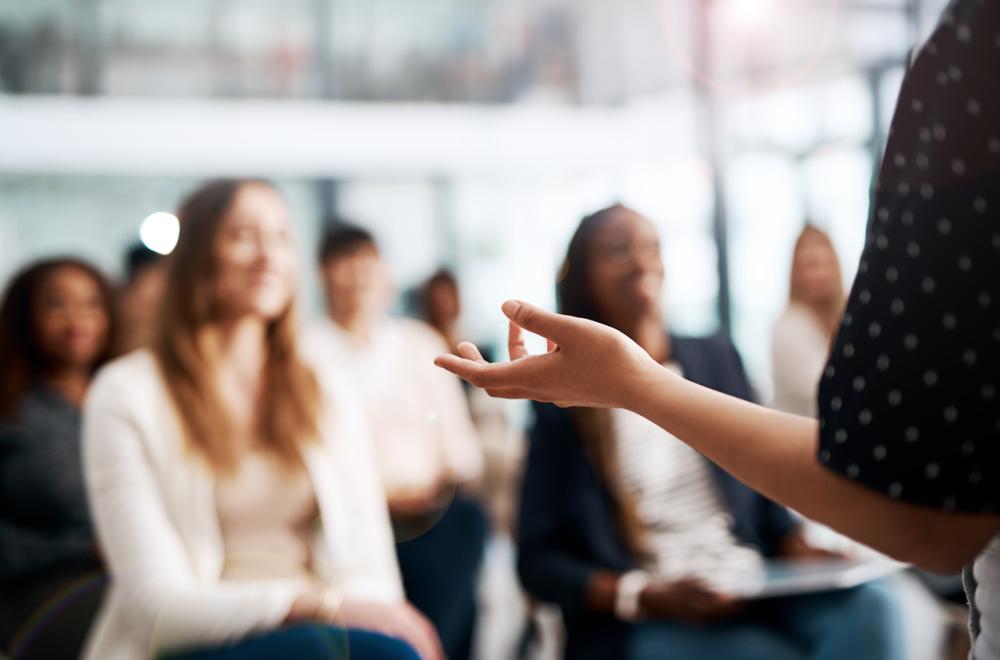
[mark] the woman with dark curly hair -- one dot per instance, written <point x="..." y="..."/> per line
<point x="56" y="329"/>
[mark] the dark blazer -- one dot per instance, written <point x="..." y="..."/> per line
<point x="568" y="524"/>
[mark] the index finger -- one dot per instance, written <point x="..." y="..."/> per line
<point x="534" y="319"/>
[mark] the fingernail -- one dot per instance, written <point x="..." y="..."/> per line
<point x="510" y="308"/>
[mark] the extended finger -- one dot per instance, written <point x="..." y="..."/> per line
<point x="534" y="319"/>
<point x="515" y="342"/>
<point x="470" y="351"/>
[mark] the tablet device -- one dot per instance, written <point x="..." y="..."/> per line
<point x="788" y="578"/>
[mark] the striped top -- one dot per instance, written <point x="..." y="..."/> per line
<point x="687" y="526"/>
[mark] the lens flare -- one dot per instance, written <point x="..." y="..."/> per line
<point x="160" y="231"/>
<point x="759" y="26"/>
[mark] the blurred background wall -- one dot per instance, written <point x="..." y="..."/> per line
<point x="467" y="133"/>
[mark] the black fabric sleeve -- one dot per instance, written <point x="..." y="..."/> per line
<point x="908" y="402"/>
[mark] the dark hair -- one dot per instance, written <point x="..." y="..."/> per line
<point x="22" y="360"/>
<point x="343" y="239"/>
<point x="137" y="259"/>
<point x="439" y="277"/>
<point x="573" y="293"/>
<point x="594" y="424"/>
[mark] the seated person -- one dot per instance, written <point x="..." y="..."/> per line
<point x="56" y="329"/>
<point x="233" y="490"/>
<point x="503" y="441"/>
<point x="633" y="534"/>
<point x="139" y="298"/>
<point x="427" y="448"/>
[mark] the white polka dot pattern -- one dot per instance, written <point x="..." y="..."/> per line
<point x="908" y="402"/>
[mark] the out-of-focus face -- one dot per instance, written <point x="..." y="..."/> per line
<point x="71" y="320"/>
<point x="256" y="267"/>
<point x="443" y="303"/>
<point x="140" y="302"/>
<point x="626" y="267"/>
<point x="815" y="272"/>
<point x="358" y="286"/>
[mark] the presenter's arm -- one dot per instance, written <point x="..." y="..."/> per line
<point x="590" y="364"/>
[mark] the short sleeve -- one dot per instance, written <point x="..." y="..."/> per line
<point x="908" y="401"/>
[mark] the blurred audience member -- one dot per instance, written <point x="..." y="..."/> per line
<point x="805" y="331"/>
<point x="635" y="535"/>
<point x="234" y="494"/>
<point x="145" y="279"/>
<point x="441" y="301"/>
<point x="426" y="444"/>
<point x="56" y="329"/>
<point x="503" y="442"/>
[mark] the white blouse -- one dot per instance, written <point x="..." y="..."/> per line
<point x="154" y="508"/>
<point x="799" y="351"/>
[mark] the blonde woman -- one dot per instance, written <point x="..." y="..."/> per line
<point x="233" y="490"/>
<point x="804" y="332"/>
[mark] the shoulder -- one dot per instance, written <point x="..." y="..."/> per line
<point x="319" y="339"/>
<point x="419" y="333"/>
<point x="794" y="321"/>
<point x="131" y="378"/>
<point x="341" y="406"/>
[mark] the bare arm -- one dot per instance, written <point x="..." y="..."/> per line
<point x="774" y="453"/>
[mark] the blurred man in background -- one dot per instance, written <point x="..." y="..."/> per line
<point x="426" y="445"/>
<point x="145" y="279"/>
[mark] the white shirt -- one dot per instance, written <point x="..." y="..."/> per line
<point x="686" y="522"/>
<point x="417" y="412"/>
<point x="153" y="504"/>
<point x="986" y="602"/>
<point x="799" y="350"/>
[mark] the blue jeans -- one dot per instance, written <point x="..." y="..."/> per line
<point x="307" y="642"/>
<point x="440" y="570"/>
<point x="863" y="623"/>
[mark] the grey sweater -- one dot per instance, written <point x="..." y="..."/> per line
<point x="44" y="520"/>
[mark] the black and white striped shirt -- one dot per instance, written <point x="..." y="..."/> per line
<point x="687" y="526"/>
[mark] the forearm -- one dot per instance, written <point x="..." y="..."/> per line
<point x="775" y="453"/>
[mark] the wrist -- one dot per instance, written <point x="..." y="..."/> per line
<point x="628" y="595"/>
<point x="647" y="387"/>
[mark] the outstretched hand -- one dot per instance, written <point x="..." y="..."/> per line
<point x="586" y="364"/>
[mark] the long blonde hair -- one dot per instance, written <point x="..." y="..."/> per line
<point x="827" y="314"/>
<point x="290" y="401"/>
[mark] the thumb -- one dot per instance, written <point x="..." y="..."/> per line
<point x="539" y="321"/>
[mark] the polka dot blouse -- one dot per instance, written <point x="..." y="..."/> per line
<point x="909" y="402"/>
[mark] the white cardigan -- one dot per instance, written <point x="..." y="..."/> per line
<point x="153" y="506"/>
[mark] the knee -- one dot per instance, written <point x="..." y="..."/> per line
<point x="365" y="644"/>
<point x="875" y="620"/>
<point x="875" y="603"/>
